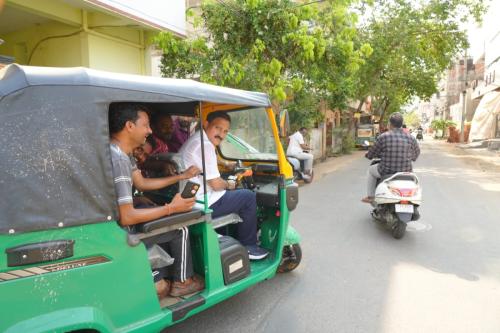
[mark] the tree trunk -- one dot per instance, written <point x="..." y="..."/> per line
<point x="380" y="106"/>
<point x="351" y="115"/>
<point x="361" y="102"/>
<point x="383" y="111"/>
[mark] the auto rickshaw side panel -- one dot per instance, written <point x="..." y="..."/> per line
<point x="105" y="284"/>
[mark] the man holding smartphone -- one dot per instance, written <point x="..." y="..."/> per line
<point x="129" y="128"/>
<point x="223" y="199"/>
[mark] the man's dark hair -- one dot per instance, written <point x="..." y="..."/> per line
<point x="218" y="114"/>
<point x="120" y="113"/>
<point x="302" y="129"/>
<point x="396" y="120"/>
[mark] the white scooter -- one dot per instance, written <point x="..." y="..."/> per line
<point x="396" y="202"/>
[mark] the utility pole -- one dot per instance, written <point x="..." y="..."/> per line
<point x="464" y="94"/>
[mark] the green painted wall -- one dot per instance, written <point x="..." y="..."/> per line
<point x="42" y="46"/>
<point x="115" y="48"/>
<point x="113" y="56"/>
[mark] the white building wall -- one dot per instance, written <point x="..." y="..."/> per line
<point x="167" y="15"/>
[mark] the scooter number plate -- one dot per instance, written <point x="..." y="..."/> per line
<point x="400" y="208"/>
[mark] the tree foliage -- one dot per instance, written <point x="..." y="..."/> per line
<point x="442" y="125"/>
<point x="285" y="48"/>
<point x="411" y="119"/>
<point x="302" y="52"/>
<point x="413" y="42"/>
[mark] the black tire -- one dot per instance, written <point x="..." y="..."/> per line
<point x="309" y="179"/>
<point x="398" y="230"/>
<point x="292" y="255"/>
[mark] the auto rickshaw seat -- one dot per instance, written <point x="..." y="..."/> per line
<point x="170" y="220"/>
<point x="153" y="232"/>
<point x="224" y="220"/>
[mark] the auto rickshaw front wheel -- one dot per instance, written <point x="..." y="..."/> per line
<point x="292" y="255"/>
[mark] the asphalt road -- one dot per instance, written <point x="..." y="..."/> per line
<point x="443" y="276"/>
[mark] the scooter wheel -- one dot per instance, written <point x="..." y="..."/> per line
<point x="292" y="255"/>
<point x="398" y="230"/>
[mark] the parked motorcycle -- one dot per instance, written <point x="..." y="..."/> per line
<point x="396" y="202"/>
<point x="298" y="170"/>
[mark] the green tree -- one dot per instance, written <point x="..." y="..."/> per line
<point x="413" y="43"/>
<point x="442" y="125"/>
<point x="411" y="119"/>
<point x="288" y="49"/>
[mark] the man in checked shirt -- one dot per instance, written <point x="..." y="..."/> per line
<point x="396" y="150"/>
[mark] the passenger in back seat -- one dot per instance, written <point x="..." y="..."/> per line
<point x="163" y="127"/>
<point x="180" y="133"/>
<point x="129" y="127"/>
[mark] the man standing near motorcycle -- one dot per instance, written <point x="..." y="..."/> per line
<point x="296" y="147"/>
<point x="396" y="150"/>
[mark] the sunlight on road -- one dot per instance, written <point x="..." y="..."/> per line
<point x="418" y="298"/>
<point x="479" y="178"/>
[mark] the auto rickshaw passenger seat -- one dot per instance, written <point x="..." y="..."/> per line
<point x="168" y="220"/>
<point x="224" y="220"/>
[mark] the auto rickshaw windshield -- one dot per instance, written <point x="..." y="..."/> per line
<point x="250" y="137"/>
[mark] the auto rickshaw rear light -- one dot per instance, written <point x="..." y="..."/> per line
<point x="278" y="213"/>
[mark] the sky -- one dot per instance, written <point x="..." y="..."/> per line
<point x="478" y="34"/>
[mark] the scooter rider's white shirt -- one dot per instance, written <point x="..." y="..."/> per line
<point x="191" y="155"/>
<point x="296" y="139"/>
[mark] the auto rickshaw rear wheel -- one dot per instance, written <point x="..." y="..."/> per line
<point x="292" y="255"/>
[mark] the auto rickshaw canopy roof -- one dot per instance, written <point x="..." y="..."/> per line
<point x="54" y="138"/>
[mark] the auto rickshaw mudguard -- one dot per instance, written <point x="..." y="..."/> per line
<point x="72" y="319"/>
<point x="292" y="236"/>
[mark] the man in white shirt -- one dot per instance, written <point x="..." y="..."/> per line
<point x="223" y="199"/>
<point x="296" y="147"/>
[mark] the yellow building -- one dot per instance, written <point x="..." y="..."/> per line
<point x="101" y="34"/>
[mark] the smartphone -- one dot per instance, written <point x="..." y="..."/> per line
<point x="190" y="190"/>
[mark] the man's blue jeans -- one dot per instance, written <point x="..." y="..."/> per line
<point x="242" y="202"/>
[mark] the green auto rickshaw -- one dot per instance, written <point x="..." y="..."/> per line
<point x="66" y="264"/>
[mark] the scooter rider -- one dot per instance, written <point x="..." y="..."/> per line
<point x="420" y="133"/>
<point x="296" y="147"/>
<point x="396" y="150"/>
